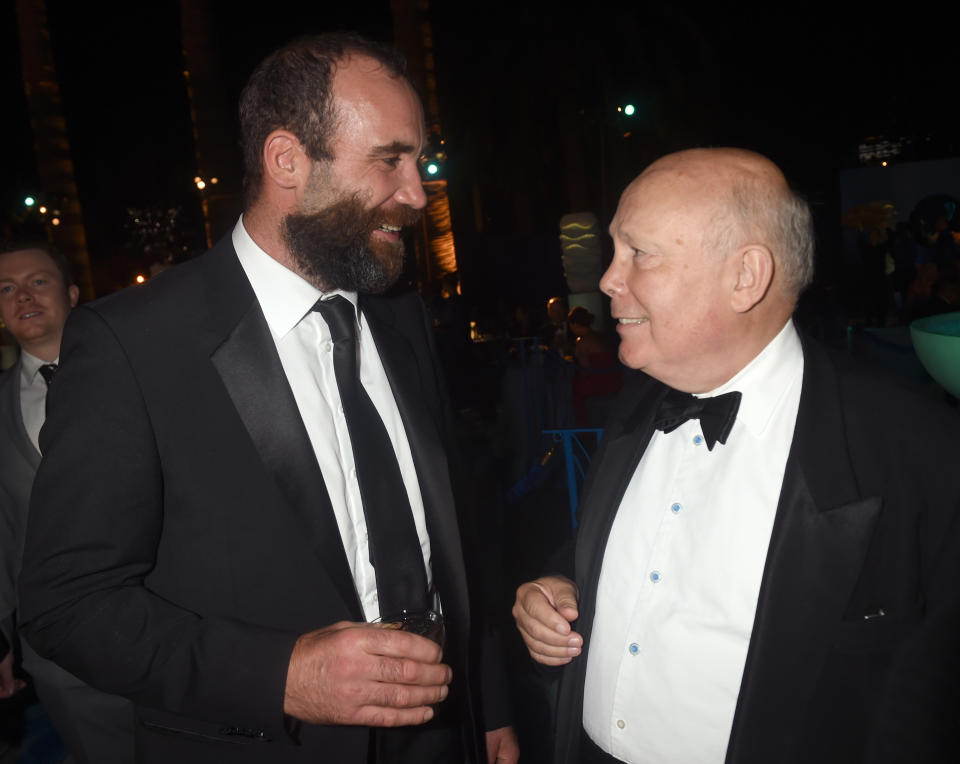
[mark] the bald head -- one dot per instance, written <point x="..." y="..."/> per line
<point x="752" y="202"/>
<point x="711" y="249"/>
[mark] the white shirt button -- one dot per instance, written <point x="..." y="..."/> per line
<point x="621" y="723"/>
<point x="655" y="576"/>
<point x="697" y="440"/>
<point x="676" y="507"/>
<point x="634" y="648"/>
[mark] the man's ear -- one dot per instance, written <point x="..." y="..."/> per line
<point x="73" y="294"/>
<point x="286" y="165"/>
<point x="755" y="270"/>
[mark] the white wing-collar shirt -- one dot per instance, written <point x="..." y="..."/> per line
<point x="681" y="574"/>
<point x="306" y="351"/>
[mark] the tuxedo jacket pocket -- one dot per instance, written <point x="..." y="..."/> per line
<point x="162" y="723"/>
<point x="876" y="631"/>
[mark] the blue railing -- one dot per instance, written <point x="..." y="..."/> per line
<point x="576" y="460"/>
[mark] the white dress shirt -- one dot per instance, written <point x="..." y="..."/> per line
<point x="306" y="351"/>
<point x="33" y="395"/>
<point x="681" y="574"/>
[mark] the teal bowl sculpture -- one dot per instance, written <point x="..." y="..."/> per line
<point x="937" y="342"/>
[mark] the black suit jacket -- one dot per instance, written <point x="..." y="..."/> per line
<point x="867" y="522"/>
<point x="200" y="541"/>
<point x="18" y="464"/>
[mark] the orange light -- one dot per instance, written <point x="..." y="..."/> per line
<point x="55" y="221"/>
<point x="883" y="164"/>
<point x="43" y="210"/>
<point x="214" y="181"/>
<point x="140" y="279"/>
<point x="201" y="185"/>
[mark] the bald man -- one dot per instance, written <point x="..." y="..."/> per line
<point x="767" y="560"/>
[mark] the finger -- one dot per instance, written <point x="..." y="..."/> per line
<point x="380" y="716"/>
<point x="404" y="695"/>
<point x="546" y="660"/>
<point x="401" y="644"/>
<point x="549" y="652"/>
<point x="544" y="624"/>
<point x="542" y="636"/>
<point x="535" y="603"/>
<point x="560" y="593"/>
<point x="410" y="672"/>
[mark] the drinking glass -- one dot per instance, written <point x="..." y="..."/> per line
<point x="426" y="623"/>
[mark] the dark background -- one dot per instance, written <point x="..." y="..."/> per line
<point x="528" y="97"/>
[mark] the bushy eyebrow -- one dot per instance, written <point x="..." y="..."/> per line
<point x="391" y="149"/>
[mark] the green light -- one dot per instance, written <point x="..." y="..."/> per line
<point x="433" y="168"/>
<point x="629" y="109"/>
<point x="29" y="201"/>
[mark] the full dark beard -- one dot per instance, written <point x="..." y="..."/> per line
<point x="333" y="248"/>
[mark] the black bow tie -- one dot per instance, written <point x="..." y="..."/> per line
<point x="716" y="414"/>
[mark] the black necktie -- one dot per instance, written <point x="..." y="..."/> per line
<point x="391" y="534"/>
<point x="48" y="371"/>
<point x="716" y="414"/>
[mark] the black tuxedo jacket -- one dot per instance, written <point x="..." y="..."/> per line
<point x="181" y="536"/>
<point x="867" y="523"/>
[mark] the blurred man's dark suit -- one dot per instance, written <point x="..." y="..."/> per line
<point x="853" y="654"/>
<point x="96" y="727"/>
<point x="18" y="464"/>
<point x="197" y="494"/>
<point x="19" y="460"/>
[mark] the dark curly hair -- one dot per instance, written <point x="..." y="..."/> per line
<point x="290" y="90"/>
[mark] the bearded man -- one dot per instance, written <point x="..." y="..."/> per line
<point x="245" y="461"/>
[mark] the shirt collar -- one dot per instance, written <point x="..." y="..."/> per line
<point x="284" y="297"/>
<point x="767" y="379"/>
<point x="30" y="366"/>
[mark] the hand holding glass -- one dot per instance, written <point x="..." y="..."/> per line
<point x="426" y="623"/>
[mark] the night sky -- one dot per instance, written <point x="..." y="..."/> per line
<point x="528" y="97"/>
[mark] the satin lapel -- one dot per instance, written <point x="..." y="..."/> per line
<point x="15" y="419"/>
<point x="612" y="468"/>
<point x="421" y="423"/>
<point x="819" y="542"/>
<point x="253" y="375"/>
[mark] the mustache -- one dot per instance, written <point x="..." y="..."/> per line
<point x="401" y="217"/>
<point x="351" y="215"/>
